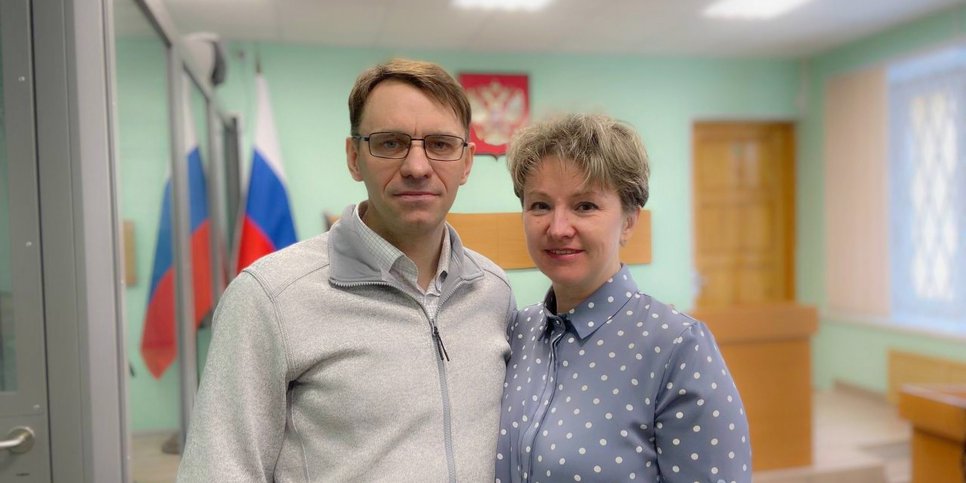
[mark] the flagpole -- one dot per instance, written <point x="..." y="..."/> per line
<point x="245" y="179"/>
<point x="242" y="198"/>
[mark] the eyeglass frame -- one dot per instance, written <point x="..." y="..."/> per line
<point x="465" y="143"/>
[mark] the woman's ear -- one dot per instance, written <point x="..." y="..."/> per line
<point x="630" y="221"/>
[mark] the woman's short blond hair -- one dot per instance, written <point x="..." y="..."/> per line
<point x="608" y="151"/>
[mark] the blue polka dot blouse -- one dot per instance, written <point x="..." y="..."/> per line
<point x="621" y="388"/>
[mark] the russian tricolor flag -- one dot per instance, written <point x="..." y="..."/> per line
<point x="267" y="224"/>
<point x="159" y="339"/>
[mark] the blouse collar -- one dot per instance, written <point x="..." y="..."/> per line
<point x="598" y="309"/>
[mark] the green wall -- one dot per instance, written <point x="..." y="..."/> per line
<point x="849" y="352"/>
<point x="660" y="96"/>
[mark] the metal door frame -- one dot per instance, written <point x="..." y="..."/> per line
<point x="86" y="362"/>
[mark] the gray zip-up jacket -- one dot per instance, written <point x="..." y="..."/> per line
<point x="320" y="369"/>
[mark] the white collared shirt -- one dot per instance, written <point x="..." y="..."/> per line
<point x="403" y="269"/>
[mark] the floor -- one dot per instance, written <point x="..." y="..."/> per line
<point x="859" y="438"/>
<point x="151" y="464"/>
<point x="856" y="427"/>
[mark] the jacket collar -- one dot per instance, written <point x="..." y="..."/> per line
<point x="350" y="262"/>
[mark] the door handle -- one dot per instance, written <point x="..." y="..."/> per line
<point x="698" y="282"/>
<point x="19" y="440"/>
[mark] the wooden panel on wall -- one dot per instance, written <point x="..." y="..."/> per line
<point x="768" y="351"/>
<point x="911" y="368"/>
<point x="499" y="237"/>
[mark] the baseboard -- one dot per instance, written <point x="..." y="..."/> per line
<point x="154" y="432"/>
<point x="857" y="390"/>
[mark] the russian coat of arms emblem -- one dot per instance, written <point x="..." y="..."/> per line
<point x="500" y="105"/>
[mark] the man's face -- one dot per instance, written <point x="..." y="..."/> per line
<point x="407" y="197"/>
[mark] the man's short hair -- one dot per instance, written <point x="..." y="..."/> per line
<point x="608" y="151"/>
<point x="428" y="77"/>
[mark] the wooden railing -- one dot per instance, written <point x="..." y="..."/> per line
<point x="768" y="351"/>
<point x="938" y="416"/>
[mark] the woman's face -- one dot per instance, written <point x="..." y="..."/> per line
<point x="573" y="232"/>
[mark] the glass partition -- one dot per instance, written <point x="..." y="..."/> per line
<point x="160" y="388"/>
<point x="144" y="152"/>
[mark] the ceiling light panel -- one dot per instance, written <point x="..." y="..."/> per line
<point x="751" y="9"/>
<point x="510" y="5"/>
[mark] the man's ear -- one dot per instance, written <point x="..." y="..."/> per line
<point x="352" y="158"/>
<point x="468" y="164"/>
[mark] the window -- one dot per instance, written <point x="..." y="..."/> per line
<point x="927" y="187"/>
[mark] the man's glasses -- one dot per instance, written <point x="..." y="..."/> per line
<point x="396" y="145"/>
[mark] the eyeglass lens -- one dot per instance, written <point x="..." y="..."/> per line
<point x="440" y="147"/>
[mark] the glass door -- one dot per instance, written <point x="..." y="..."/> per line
<point x="24" y="440"/>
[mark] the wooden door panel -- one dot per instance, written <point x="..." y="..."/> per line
<point x="756" y="224"/>
<point x="743" y="204"/>
<point x="753" y="287"/>
<point x="717" y="175"/>
<point x="720" y="235"/>
<point x="717" y="293"/>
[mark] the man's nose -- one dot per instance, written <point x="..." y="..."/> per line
<point x="416" y="164"/>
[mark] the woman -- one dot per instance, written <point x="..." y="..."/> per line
<point x="605" y="383"/>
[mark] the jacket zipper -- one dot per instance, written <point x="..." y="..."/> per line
<point x="443" y="384"/>
<point x="440" y="366"/>
<point x="444" y="392"/>
<point x="440" y="348"/>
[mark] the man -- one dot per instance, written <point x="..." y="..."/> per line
<point x="375" y="351"/>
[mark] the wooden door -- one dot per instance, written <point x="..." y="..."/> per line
<point x="743" y="212"/>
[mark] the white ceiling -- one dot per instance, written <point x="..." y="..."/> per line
<point x="655" y="27"/>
